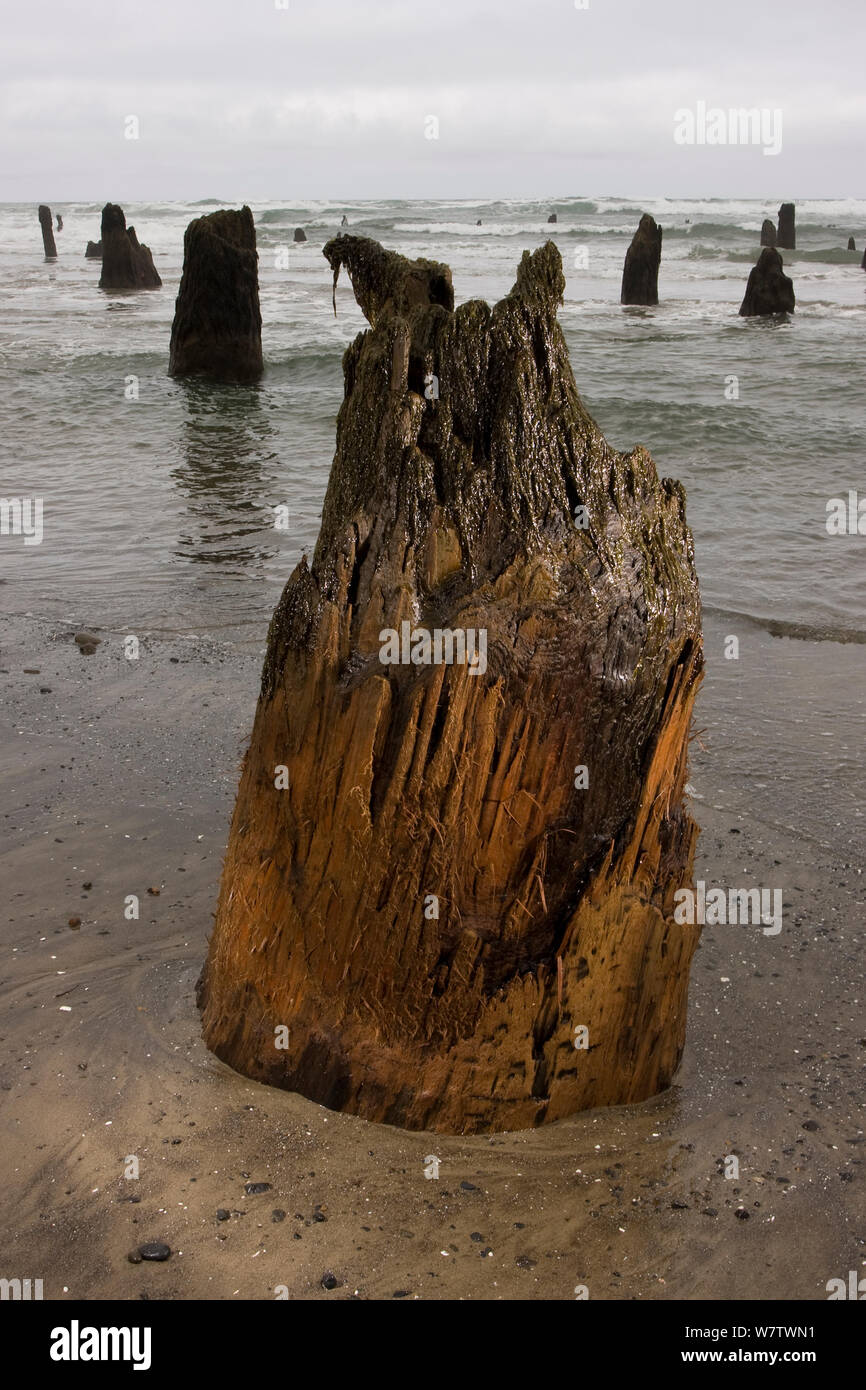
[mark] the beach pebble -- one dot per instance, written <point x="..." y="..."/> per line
<point x="468" y="1187"/>
<point x="222" y="1214"/>
<point x="252" y="1189"/>
<point x="330" y="1280"/>
<point x="75" y="923"/>
<point x="87" y="642"/>
<point x="524" y="1262"/>
<point x="154" y="1250"/>
<point x="278" y="1215"/>
<point x="742" y="1213"/>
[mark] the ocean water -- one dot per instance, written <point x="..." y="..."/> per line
<point x="158" y="512"/>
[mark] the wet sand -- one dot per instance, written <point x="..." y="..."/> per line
<point x="122" y="775"/>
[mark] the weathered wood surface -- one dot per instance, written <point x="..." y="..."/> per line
<point x="405" y="781"/>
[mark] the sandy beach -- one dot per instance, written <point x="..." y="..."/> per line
<point x="119" y="778"/>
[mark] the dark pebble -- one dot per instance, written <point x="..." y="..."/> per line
<point x="811" y="1125"/>
<point x="524" y="1262"/>
<point x="252" y="1189"/>
<point x="222" y="1214"/>
<point x="709" y="1211"/>
<point x="468" y="1187"/>
<point x="400" y="1293"/>
<point x="278" y="1215"/>
<point x="680" y="1206"/>
<point x="329" y="1280"/>
<point x="154" y="1250"/>
<point x="742" y="1213"/>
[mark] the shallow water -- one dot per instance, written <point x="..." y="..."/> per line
<point x="162" y="506"/>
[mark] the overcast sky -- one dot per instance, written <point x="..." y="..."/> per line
<point x="328" y="99"/>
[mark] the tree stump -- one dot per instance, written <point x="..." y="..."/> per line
<point x="786" y="238"/>
<point x="768" y="290"/>
<point x="640" y="275"/>
<point x="217" y="328"/>
<point x="47" y="225"/>
<point x="126" y="264"/>
<point x="447" y="899"/>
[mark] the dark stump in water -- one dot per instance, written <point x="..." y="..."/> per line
<point x="852" y="245"/>
<point x="300" y="234"/>
<point x="786" y="238"/>
<point x="447" y="899"/>
<point x="769" y="290"/>
<point x="768" y="233"/>
<point x="47" y="225"/>
<point x="552" y="217"/>
<point x="94" y="250"/>
<point x="217" y="329"/>
<point x="126" y="265"/>
<point x="640" y="276"/>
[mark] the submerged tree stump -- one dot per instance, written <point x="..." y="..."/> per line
<point x="786" y="236"/>
<point x="768" y="289"/>
<point x="640" y="275"/>
<point x="126" y="263"/>
<point x="47" y="225"/>
<point x="217" y="328"/>
<point x="447" y="899"/>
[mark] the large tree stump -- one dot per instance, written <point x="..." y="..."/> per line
<point x="217" y="328"/>
<point x="640" y="275"/>
<point x="47" y="225"/>
<point x="126" y="263"/>
<point x="423" y="902"/>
